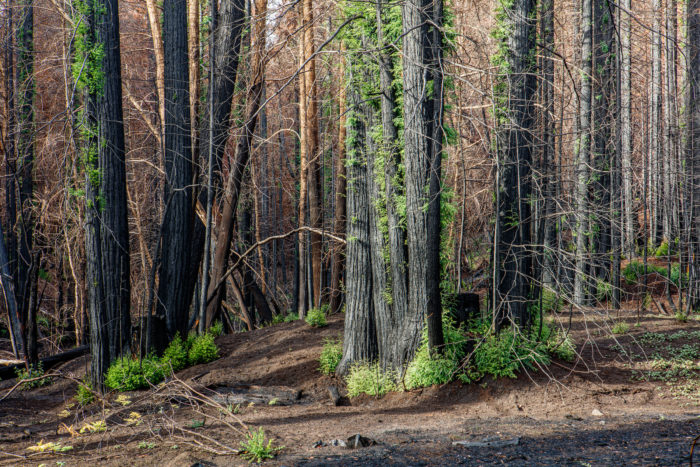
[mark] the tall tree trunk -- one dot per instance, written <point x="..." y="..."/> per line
<point x="360" y="338"/>
<point x="313" y="156"/>
<point x="581" y="279"/>
<point x="338" y="261"/>
<point x="157" y="39"/>
<point x="24" y="169"/>
<point x="302" y="301"/>
<point x="173" y="297"/>
<point x="548" y="175"/>
<point x="422" y="173"/>
<point x="237" y="169"/>
<point x="193" y="56"/>
<point x="655" y="129"/>
<point x="626" y="128"/>
<point x="107" y="233"/>
<point x="692" y="148"/>
<point x="514" y="152"/>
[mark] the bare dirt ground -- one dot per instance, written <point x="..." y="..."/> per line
<point x="631" y="399"/>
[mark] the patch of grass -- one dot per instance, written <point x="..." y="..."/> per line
<point x="203" y="350"/>
<point x="316" y="318"/>
<point x="128" y="374"/>
<point x="620" y="328"/>
<point x="28" y="375"/>
<point x="256" y="448"/>
<point x="331" y="354"/>
<point x="369" y="378"/>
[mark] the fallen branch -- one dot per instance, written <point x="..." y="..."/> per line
<point x="47" y="363"/>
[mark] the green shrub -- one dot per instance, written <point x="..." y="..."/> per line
<point x="33" y="372"/>
<point x="128" y="374"/>
<point x="504" y="354"/>
<point x="85" y="395"/>
<point x="255" y="449"/>
<point x="202" y="350"/>
<point x="603" y="291"/>
<point x="620" y="327"/>
<point x="331" y="355"/>
<point x="291" y="317"/>
<point x="316" y="318"/>
<point x="175" y="355"/>
<point x="561" y="346"/>
<point x="426" y="369"/>
<point x="633" y="271"/>
<point x="277" y="319"/>
<point x="662" y="250"/>
<point x="369" y="378"/>
<point x="216" y="329"/>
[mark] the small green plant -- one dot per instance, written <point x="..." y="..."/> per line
<point x="217" y="329"/>
<point x="256" y="449"/>
<point x="504" y="354"/>
<point x="331" y="354"/>
<point x="561" y="346"/>
<point x="369" y="378"/>
<point x="146" y="445"/>
<point x="291" y="317"/>
<point x="662" y="250"/>
<point x="604" y="291"/>
<point x="85" y="395"/>
<point x="128" y="374"/>
<point x="316" y="318"/>
<point x="196" y="424"/>
<point x="98" y="426"/>
<point x="28" y="376"/>
<point x="440" y="367"/>
<point x="620" y="328"/>
<point x="175" y="354"/>
<point x="203" y="350"/>
<point x="681" y="317"/>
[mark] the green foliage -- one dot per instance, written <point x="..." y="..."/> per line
<point x="620" y="327"/>
<point x="216" y="329"/>
<point x="662" y="250"/>
<point x="85" y="395"/>
<point x="203" y="350"/>
<point x="331" y="354"/>
<point x="175" y="354"/>
<point x="256" y="449"/>
<point x="316" y="318"/>
<point x="504" y="354"/>
<point x="279" y="318"/>
<point x="635" y="271"/>
<point x="369" y="378"/>
<point x="34" y="372"/>
<point x="440" y="367"/>
<point x="604" y="291"/>
<point x="128" y="374"/>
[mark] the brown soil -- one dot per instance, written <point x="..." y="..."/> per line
<point x="596" y="411"/>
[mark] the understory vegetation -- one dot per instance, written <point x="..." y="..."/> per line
<point x="129" y="374"/>
<point x="469" y="355"/>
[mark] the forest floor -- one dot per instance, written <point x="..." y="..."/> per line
<point x="630" y="399"/>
